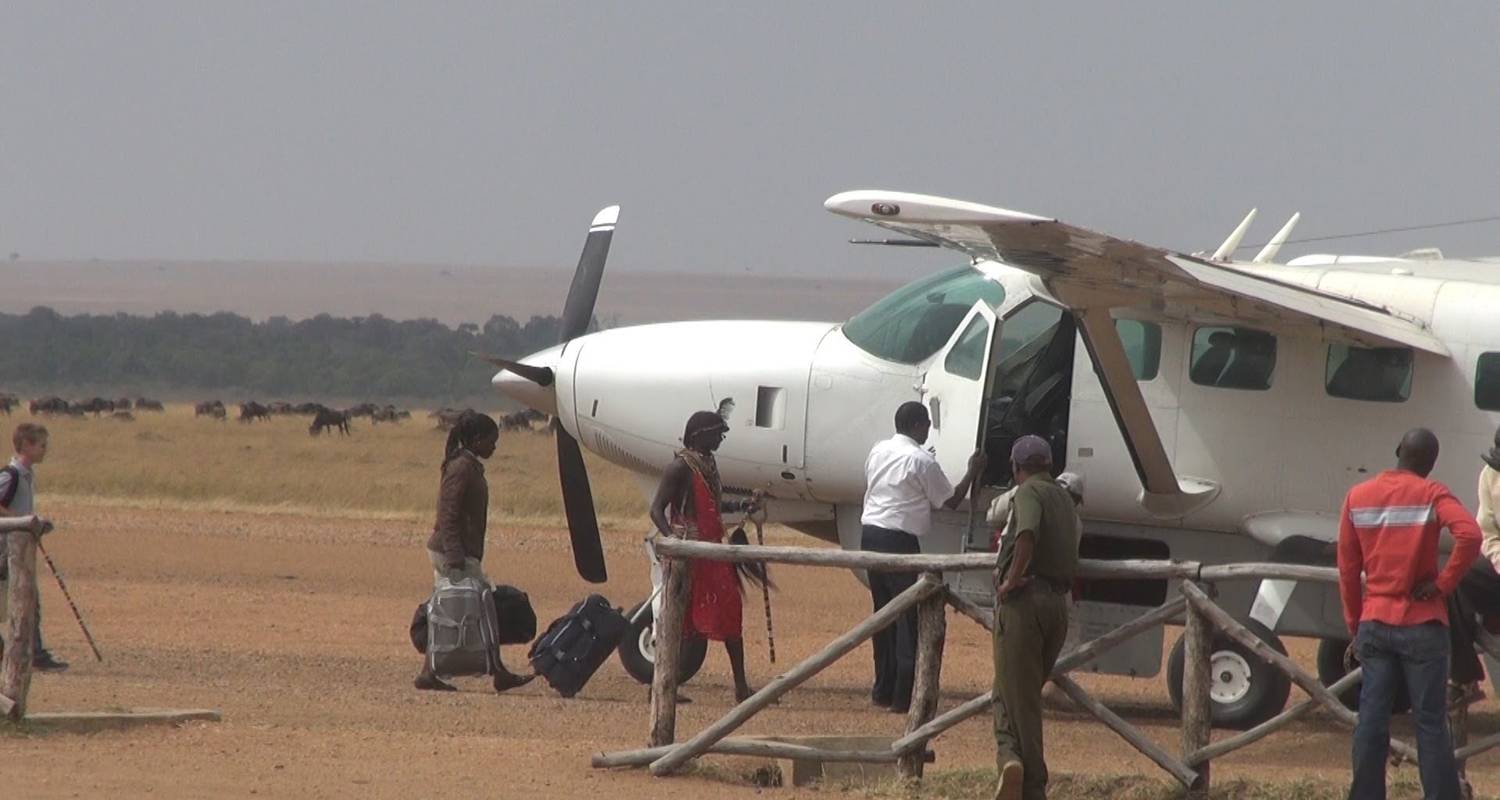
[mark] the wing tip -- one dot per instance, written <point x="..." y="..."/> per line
<point x="875" y="204"/>
<point x="608" y="217"/>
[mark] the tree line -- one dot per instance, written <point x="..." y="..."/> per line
<point x="323" y="356"/>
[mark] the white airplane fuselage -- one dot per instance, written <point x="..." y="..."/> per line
<point x="808" y="403"/>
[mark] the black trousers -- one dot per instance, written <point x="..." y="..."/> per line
<point x="896" y="646"/>
<point x="1478" y="594"/>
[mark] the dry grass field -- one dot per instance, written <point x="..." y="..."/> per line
<point x="270" y="574"/>
<point x="386" y="471"/>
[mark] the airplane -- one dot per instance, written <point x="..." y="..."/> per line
<point x="1216" y="409"/>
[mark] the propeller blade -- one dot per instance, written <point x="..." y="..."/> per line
<point x="578" y="311"/>
<point x="541" y="376"/>
<point x="578" y="502"/>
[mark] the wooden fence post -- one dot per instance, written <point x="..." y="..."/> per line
<point x="15" y="669"/>
<point x="1197" y="705"/>
<point x="932" y="631"/>
<point x="668" y="631"/>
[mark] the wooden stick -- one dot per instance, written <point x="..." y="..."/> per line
<point x="1270" y="726"/>
<point x="1197" y="705"/>
<point x="30" y="522"/>
<point x="20" y="641"/>
<point x="676" y="576"/>
<point x="1182" y="772"/>
<point x="746" y="747"/>
<point x="1234" y="630"/>
<point x="932" y="629"/>
<point x="1293" y="572"/>
<point x="921" y="562"/>
<point x="941" y="723"/>
<point x="963" y="605"/>
<point x="1475" y="748"/>
<point x="1090" y="650"/>
<point x="838" y="648"/>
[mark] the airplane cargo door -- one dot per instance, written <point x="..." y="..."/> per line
<point x="954" y="391"/>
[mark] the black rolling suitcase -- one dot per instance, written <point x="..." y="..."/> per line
<point x="574" y="646"/>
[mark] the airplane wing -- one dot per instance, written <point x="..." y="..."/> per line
<point x="1092" y="273"/>
<point x="1088" y="269"/>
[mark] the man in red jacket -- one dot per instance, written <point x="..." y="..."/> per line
<point x="1388" y="530"/>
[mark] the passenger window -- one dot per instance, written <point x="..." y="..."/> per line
<point x="966" y="359"/>
<point x="1233" y="358"/>
<point x="1142" y="342"/>
<point x="1380" y="374"/>
<point x="1487" y="382"/>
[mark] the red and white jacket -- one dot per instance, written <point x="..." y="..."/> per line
<point x="1388" y="530"/>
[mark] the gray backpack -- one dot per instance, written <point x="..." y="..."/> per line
<point x="461" y="629"/>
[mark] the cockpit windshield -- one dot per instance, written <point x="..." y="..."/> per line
<point x="915" y="321"/>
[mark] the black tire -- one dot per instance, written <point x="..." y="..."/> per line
<point x="1331" y="668"/>
<point x="1246" y="691"/>
<point x="636" y="659"/>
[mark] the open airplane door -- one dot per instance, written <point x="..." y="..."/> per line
<point x="954" y="391"/>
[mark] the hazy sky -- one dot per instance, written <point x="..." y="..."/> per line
<point x="490" y="132"/>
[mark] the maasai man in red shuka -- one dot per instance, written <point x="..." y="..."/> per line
<point x="688" y="503"/>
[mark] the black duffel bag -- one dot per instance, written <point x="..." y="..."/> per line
<point x="517" y="619"/>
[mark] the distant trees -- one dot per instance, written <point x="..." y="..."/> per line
<point x="322" y="356"/>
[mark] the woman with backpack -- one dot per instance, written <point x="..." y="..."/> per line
<point x="456" y="546"/>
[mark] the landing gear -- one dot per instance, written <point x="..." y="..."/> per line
<point x="638" y="649"/>
<point x="1243" y="690"/>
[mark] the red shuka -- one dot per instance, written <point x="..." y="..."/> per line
<point x="1388" y="530"/>
<point x="715" y="609"/>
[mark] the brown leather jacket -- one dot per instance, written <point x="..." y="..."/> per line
<point x="462" y="507"/>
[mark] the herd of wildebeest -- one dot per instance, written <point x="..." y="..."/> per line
<point x="323" y="417"/>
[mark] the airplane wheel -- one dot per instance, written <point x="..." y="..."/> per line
<point x="1244" y="691"/>
<point x="1331" y="668"/>
<point x="638" y="651"/>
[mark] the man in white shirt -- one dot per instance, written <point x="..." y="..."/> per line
<point x="903" y="484"/>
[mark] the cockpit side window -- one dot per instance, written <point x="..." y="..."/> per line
<point x="914" y="322"/>
<point x="1381" y="374"/>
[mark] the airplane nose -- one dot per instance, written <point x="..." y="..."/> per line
<point x="526" y="391"/>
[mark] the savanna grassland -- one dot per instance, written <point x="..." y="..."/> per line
<point x="270" y="574"/>
<point x="385" y="471"/>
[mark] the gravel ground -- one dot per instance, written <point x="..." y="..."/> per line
<point x="296" y="628"/>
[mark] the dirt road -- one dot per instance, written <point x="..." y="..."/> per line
<point x="296" y="628"/>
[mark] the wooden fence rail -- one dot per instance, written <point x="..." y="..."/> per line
<point x="1195" y="608"/>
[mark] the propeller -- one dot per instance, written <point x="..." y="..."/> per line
<point x="578" y="312"/>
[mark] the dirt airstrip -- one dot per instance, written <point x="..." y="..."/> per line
<point x="295" y="626"/>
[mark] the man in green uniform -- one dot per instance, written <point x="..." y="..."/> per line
<point x="1035" y="573"/>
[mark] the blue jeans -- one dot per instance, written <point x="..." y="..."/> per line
<point x="1417" y="654"/>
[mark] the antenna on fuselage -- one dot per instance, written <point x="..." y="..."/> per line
<point x="1226" y="250"/>
<point x="1274" y="246"/>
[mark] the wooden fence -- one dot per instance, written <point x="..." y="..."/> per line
<point x="1190" y="766"/>
<point x="15" y="668"/>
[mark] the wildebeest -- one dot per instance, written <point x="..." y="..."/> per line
<point x="327" y="419"/>
<point x="447" y="417"/>
<point x="251" y="411"/>
<point x="362" y="410"/>
<point x="279" y="408"/>
<point x="95" y="406"/>
<point x="122" y="404"/>
<point x="307" y="409"/>
<point x="48" y="405"/>
<point x="145" y="404"/>
<point x="210" y="408"/>
<point x="389" y="414"/>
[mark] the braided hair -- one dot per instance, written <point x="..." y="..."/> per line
<point x="470" y="427"/>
